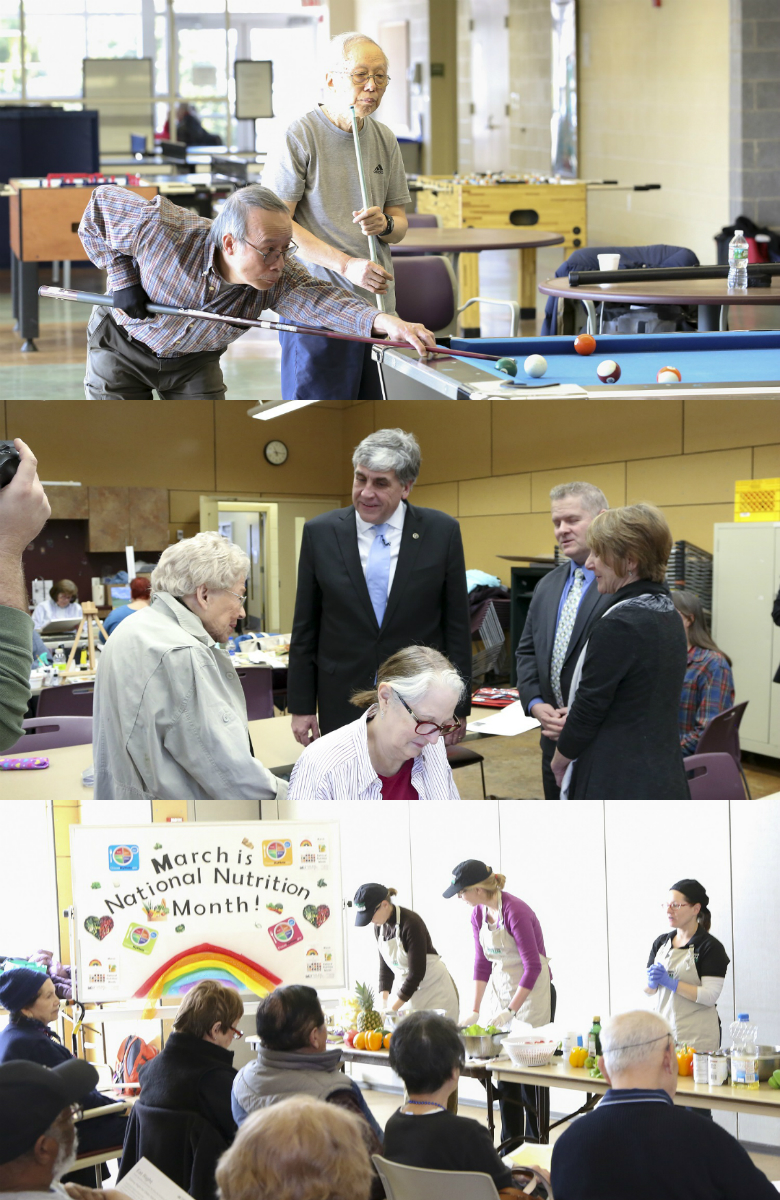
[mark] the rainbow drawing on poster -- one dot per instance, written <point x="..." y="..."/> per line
<point x="206" y="961"/>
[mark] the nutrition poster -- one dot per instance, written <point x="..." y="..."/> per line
<point x="252" y="904"/>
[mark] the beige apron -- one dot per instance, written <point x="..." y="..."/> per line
<point x="500" y="949"/>
<point x="695" y="1024"/>
<point x="436" y="990"/>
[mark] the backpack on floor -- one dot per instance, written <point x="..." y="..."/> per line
<point x="132" y="1056"/>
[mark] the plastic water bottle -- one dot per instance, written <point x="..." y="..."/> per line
<point x="738" y="258"/>
<point x="744" y="1053"/>
<point x="59" y="659"/>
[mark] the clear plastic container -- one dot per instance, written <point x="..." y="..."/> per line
<point x="59" y="660"/>
<point x="744" y="1053"/>
<point x="738" y="262"/>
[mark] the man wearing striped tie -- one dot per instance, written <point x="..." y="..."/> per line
<point x="373" y="578"/>
<point x="565" y="604"/>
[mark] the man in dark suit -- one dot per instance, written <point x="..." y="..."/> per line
<point x="373" y="578"/>
<point x="564" y="605"/>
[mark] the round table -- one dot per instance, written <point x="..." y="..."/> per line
<point x="455" y="242"/>
<point x="712" y="296"/>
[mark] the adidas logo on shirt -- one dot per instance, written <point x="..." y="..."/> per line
<point x="378" y="170"/>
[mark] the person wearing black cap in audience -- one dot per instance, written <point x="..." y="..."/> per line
<point x="38" y="1139"/>
<point x="411" y="973"/>
<point x="512" y="980"/>
<point x="687" y="968"/>
<point x="32" y="1003"/>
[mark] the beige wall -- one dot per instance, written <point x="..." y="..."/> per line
<point x="492" y="466"/>
<point x="654" y="108"/>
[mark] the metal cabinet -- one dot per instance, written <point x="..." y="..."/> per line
<point x="746" y="579"/>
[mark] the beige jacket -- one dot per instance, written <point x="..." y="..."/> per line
<point x="170" y="716"/>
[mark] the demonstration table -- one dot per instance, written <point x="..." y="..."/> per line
<point x="455" y="242"/>
<point x="711" y="364"/>
<point x="763" y="1102"/>
<point x="712" y="296"/>
<point x="45" y="228"/>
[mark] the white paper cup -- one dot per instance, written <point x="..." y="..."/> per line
<point x="608" y="262"/>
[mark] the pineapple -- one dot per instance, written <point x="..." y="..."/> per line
<point x="368" y="1017"/>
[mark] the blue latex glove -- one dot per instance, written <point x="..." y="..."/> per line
<point x="658" y="976"/>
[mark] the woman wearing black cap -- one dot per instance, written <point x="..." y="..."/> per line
<point x="32" y="1002"/>
<point x="410" y="971"/>
<point x="687" y="968"/>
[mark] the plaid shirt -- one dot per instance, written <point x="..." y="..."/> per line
<point x="167" y="250"/>
<point x="708" y="689"/>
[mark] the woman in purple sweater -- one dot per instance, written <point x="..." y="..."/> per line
<point x="511" y="974"/>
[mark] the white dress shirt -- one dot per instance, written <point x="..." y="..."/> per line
<point x="366" y="535"/>
<point x="49" y="610"/>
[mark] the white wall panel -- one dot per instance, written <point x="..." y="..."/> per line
<point x="755" y="864"/>
<point x="28" y="914"/>
<point x="116" y="812"/>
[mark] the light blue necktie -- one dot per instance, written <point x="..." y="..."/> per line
<point x="378" y="571"/>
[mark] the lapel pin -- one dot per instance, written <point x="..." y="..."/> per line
<point x="415" y="535"/>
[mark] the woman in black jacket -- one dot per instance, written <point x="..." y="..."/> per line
<point x="621" y="740"/>
<point x="194" y="1072"/>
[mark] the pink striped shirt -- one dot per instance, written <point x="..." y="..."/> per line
<point x="338" y="767"/>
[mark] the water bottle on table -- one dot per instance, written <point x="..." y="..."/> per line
<point x="744" y="1053"/>
<point x="738" y="261"/>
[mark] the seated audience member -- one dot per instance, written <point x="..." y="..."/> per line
<point x="395" y="750"/>
<point x="300" y="1149"/>
<point x="637" y="1142"/>
<point x="170" y="715"/>
<point x="708" y="688"/>
<point x="62" y="604"/>
<point x="194" y="1072"/>
<point x="38" y="1138"/>
<point x="293" y="1059"/>
<point x="621" y="738"/>
<point x="32" y="1003"/>
<point x="140" y="592"/>
<point x="427" y="1053"/>
<point x="24" y="510"/>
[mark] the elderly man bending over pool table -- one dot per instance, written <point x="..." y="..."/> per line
<point x="170" y="715"/>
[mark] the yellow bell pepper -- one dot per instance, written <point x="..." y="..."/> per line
<point x="577" y="1056"/>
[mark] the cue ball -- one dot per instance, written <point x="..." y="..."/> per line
<point x="608" y="371"/>
<point x="508" y="366"/>
<point x="535" y="366"/>
<point x="668" y="375"/>
<point x="585" y="344"/>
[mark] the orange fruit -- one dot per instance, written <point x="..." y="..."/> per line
<point x="360" y="1042"/>
<point x="374" y="1040"/>
<point x="387" y="1041"/>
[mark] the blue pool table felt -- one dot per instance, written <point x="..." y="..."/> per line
<point x="724" y="357"/>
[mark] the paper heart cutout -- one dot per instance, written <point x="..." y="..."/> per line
<point x="99" y="927"/>
<point x="316" y="916"/>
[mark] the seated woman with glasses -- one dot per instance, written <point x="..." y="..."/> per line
<point x="194" y="1072"/>
<point x="395" y="750"/>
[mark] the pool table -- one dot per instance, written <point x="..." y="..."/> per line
<point x="716" y="364"/>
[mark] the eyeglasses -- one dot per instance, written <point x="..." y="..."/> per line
<point x="674" y="907"/>
<point x="271" y="256"/>
<point x="360" y="77"/>
<point x="426" y="728"/>
<point x="237" y="1033"/>
<point x="241" y="598"/>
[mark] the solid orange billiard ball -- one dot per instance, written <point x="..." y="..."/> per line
<point x="585" y="344"/>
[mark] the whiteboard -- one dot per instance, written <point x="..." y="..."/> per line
<point x="254" y="89"/>
<point x="253" y="904"/>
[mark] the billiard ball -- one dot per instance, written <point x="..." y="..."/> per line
<point x="508" y="366"/>
<point x="608" y="371"/>
<point x="585" y="344"/>
<point x="668" y="375"/>
<point x="535" y="366"/>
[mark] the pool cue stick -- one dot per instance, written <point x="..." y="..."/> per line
<point x="372" y="246"/>
<point x="167" y="310"/>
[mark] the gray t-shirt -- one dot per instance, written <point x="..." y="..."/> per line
<point x="315" y="165"/>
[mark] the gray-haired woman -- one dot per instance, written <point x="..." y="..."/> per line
<point x="395" y="750"/>
<point x="170" y="716"/>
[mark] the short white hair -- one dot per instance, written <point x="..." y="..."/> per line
<point x="633" y="1039"/>
<point x="341" y="46"/>
<point x="207" y="559"/>
<point x="591" y="496"/>
<point x="390" y="450"/>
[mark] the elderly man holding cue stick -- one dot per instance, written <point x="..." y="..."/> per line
<point x="344" y="230"/>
